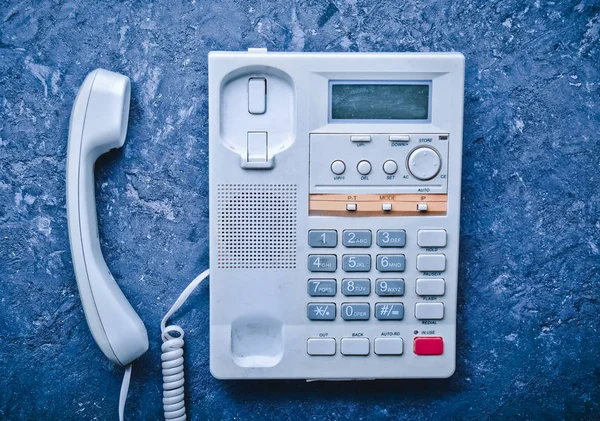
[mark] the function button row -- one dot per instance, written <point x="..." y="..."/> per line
<point x="383" y="311"/>
<point x="362" y="263"/>
<point x="422" y="345"/>
<point x="359" y="287"/>
<point x="364" y="167"/>
<point x="383" y="287"/>
<point x="384" y="262"/>
<point x="357" y="311"/>
<point x="358" y="238"/>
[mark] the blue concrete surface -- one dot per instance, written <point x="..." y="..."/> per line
<point x="529" y="309"/>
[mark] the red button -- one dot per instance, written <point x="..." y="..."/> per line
<point x="431" y="345"/>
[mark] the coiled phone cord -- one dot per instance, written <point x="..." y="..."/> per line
<point x="172" y="362"/>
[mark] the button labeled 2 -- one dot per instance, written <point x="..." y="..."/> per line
<point x="356" y="238"/>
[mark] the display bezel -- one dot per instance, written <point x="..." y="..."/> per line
<point x="378" y="82"/>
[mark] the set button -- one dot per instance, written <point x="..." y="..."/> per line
<point x="390" y="167"/>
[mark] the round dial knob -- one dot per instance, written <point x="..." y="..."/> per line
<point x="424" y="163"/>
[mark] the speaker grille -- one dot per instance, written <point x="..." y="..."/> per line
<point x="256" y="226"/>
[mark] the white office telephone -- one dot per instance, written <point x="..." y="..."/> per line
<point x="334" y="217"/>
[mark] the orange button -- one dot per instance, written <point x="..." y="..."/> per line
<point x="431" y="345"/>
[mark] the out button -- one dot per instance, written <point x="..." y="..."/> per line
<point x="432" y="345"/>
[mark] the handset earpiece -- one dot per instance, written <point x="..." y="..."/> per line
<point x="99" y="124"/>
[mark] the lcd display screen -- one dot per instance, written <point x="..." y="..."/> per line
<point x="380" y="101"/>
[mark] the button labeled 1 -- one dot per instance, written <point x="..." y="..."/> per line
<point x="322" y="238"/>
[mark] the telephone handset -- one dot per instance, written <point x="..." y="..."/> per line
<point x="98" y="124"/>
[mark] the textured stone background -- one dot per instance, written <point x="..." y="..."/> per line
<point x="530" y="260"/>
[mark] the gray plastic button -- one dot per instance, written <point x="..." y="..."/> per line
<point x="429" y="311"/>
<point x="389" y="346"/>
<point x="356" y="238"/>
<point x="431" y="238"/>
<point x="355" y="346"/>
<point x="322" y="262"/>
<point x="430" y="286"/>
<point x="389" y="287"/>
<point x="356" y="262"/>
<point x="322" y="238"/>
<point x="320" y="311"/>
<point x="356" y="311"/>
<point x="356" y="286"/>
<point x="391" y="238"/>
<point x="322" y="287"/>
<point x="389" y="311"/>
<point x="390" y="166"/>
<point x="391" y="263"/>
<point x="431" y="262"/>
<point x="360" y="138"/>
<point x="364" y="167"/>
<point x="338" y="167"/>
<point x="351" y="207"/>
<point x="320" y="346"/>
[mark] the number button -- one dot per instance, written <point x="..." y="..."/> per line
<point x="356" y="238"/>
<point x="391" y="238"/>
<point x="322" y="262"/>
<point x="391" y="263"/>
<point x="356" y="286"/>
<point x="356" y="311"/>
<point x="389" y="287"/>
<point x="322" y="238"/>
<point x="320" y="311"/>
<point x="322" y="287"/>
<point x="356" y="262"/>
<point x="389" y="311"/>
